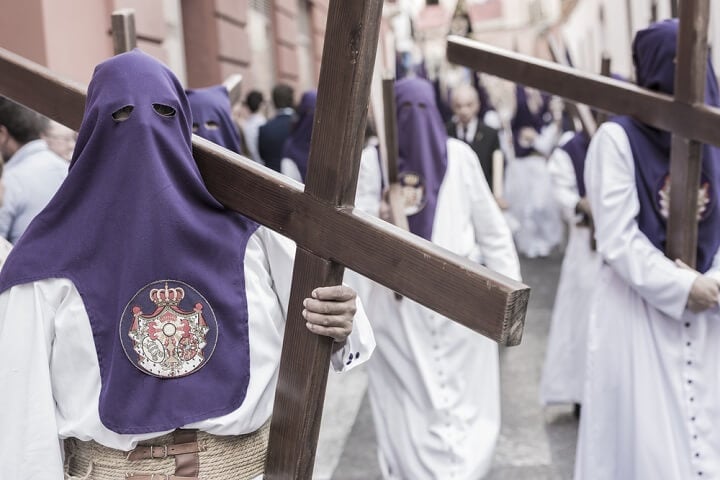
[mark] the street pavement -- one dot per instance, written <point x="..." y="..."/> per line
<point x="535" y="443"/>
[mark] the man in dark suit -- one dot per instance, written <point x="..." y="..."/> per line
<point x="272" y="135"/>
<point x="466" y="125"/>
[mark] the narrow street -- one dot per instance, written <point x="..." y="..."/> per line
<point x="535" y="443"/>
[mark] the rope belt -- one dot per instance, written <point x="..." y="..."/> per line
<point x="181" y="455"/>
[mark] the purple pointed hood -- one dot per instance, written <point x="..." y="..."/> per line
<point x="526" y="118"/>
<point x="156" y="259"/>
<point x="297" y="146"/>
<point x="422" y="142"/>
<point x="212" y="116"/>
<point x="654" y="53"/>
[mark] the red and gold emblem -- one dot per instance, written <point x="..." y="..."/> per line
<point x="168" y="340"/>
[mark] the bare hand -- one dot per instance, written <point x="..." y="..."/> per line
<point x="704" y="292"/>
<point x="330" y="311"/>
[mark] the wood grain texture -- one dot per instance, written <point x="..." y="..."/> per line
<point x="395" y="197"/>
<point x="122" y="24"/>
<point x="337" y="141"/>
<point x="697" y="121"/>
<point x="686" y="154"/>
<point x="391" y="133"/>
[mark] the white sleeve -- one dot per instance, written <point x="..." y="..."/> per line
<point x="565" y="188"/>
<point x="369" y="186"/>
<point x="281" y="257"/>
<point x="492" y="233"/>
<point x="610" y="181"/>
<point x="290" y="169"/>
<point x="29" y="444"/>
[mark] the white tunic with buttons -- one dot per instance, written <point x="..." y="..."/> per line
<point x="49" y="368"/>
<point x="651" y="408"/>
<point x="563" y="373"/>
<point x="434" y="384"/>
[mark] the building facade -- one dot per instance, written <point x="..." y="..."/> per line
<point x="203" y="41"/>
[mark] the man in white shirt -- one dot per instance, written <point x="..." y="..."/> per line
<point x="33" y="173"/>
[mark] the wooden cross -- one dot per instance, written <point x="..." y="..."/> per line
<point x="684" y="114"/>
<point x="328" y="232"/>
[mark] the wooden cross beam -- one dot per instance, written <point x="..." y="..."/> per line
<point x="122" y="24"/>
<point x="328" y="232"/>
<point x="684" y="115"/>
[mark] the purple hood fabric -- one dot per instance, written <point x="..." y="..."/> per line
<point x="158" y="262"/>
<point x="422" y="142"/>
<point x="212" y="116"/>
<point x="297" y="146"/>
<point x="525" y="118"/>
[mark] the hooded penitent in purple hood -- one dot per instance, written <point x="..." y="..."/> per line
<point x="422" y="141"/>
<point x="157" y="260"/>
<point x="577" y="148"/>
<point x="212" y="116"/>
<point x="524" y="117"/>
<point x="654" y="52"/>
<point x="297" y="146"/>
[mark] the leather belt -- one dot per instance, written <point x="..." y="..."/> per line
<point x="185" y="450"/>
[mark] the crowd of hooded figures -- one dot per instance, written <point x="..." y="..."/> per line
<point x="118" y="332"/>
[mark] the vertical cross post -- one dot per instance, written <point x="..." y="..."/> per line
<point x="337" y="137"/>
<point x="123" y="30"/>
<point x="686" y="155"/>
<point x="653" y="11"/>
<point x="395" y="197"/>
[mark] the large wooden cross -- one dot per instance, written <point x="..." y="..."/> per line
<point x="328" y="232"/>
<point x="684" y="114"/>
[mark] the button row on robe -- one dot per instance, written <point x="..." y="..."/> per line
<point x="691" y="397"/>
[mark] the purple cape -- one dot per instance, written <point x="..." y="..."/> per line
<point x="212" y="116"/>
<point x="297" y="146"/>
<point x="525" y="118"/>
<point x="422" y="142"/>
<point x="577" y="148"/>
<point x="158" y="262"/>
<point x="654" y="52"/>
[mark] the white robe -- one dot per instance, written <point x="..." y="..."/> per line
<point x="49" y="368"/>
<point x="434" y="384"/>
<point x="537" y="224"/>
<point x="563" y="373"/>
<point x="651" y="408"/>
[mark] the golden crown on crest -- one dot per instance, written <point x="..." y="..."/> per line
<point x="167" y="296"/>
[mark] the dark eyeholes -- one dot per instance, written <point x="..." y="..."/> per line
<point x="164" y="110"/>
<point x="122" y="114"/>
<point x="210" y="125"/>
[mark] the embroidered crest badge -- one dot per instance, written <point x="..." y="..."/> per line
<point x="413" y="192"/>
<point x="164" y="338"/>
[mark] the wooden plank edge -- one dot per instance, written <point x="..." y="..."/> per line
<point x="696" y="122"/>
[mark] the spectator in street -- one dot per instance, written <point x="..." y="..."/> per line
<point x="272" y="135"/>
<point x="33" y="173"/>
<point x="255" y="103"/>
